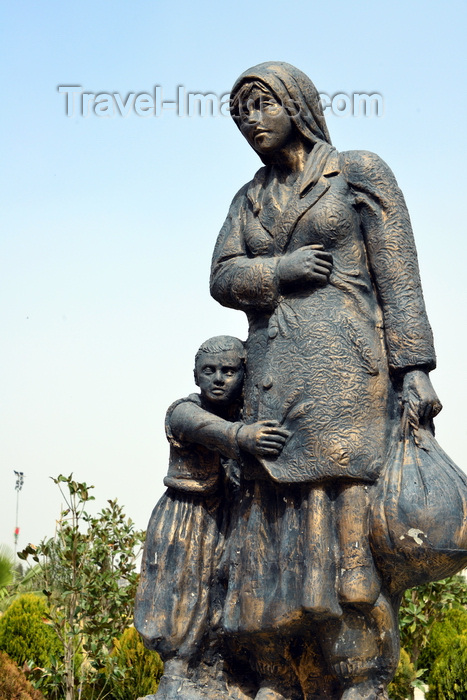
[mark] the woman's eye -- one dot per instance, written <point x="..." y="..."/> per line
<point x="272" y="106"/>
<point x="244" y="115"/>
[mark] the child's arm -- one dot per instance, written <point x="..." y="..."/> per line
<point x="192" y="424"/>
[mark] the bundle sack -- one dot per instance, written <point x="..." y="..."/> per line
<point x="418" y="520"/>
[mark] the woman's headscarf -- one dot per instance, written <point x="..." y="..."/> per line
<point x="295" y="91"/>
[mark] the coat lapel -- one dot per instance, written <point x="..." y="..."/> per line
<point x="310" y="187"/>
<point x="255" y="194"/>
<point x="285" y="225"/>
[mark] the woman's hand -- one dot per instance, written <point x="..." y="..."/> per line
<point x="420" y="399"/>
<point x="310" y="264"/>
<point x="266" y="438"/>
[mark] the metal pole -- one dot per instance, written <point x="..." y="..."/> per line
<point x="18" y="487"/>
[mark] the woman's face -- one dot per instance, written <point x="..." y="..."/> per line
<point x="263" y="121"/>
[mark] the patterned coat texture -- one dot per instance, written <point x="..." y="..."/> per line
<point x="326" y="361"/>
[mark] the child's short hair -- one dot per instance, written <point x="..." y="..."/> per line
<point x="222" y="343"/>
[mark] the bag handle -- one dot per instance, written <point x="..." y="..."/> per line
<point x="408" y="432"/>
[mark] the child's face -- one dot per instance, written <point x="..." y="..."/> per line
<point x="220" y="376"/>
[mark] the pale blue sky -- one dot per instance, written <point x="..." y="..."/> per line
<point x="108" y="224"/>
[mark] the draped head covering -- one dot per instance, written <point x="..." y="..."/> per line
<point x="294" y="90"/>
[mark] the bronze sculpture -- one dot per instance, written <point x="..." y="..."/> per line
<point x="318" y="251"/>
<point x="185" y="535"/>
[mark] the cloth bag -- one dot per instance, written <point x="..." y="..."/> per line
<point x="418" y="520"/>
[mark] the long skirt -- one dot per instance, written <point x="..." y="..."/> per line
<point x="287" y="554"/>
<point x="172" y="608"/>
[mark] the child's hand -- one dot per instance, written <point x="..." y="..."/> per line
<point x="266" y="438"/>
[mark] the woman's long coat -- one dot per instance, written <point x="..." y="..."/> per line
<point x="325" y="360"/>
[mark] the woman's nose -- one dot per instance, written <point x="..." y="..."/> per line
<point x="253" y="116"/>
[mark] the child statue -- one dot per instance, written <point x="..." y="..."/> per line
<point x="174" y="608"/>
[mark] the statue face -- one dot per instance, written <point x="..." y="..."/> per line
<point x="264" y="122"/>
<point x="220" y="376"/>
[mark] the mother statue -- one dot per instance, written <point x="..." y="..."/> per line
<point x="318" y="251"/>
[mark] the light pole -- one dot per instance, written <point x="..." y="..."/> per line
<point x="18" y="487"/>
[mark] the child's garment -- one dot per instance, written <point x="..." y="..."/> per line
<point x="186" y="531"/>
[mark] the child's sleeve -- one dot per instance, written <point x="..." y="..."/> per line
<point x="190" y="423"/>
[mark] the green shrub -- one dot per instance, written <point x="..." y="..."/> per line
<point x="444" y="634"/>
<point x="448" y="677"/>
<point x="90" y="578"/>
<point x="133" y="671"/>
<point x="406" y="675"/>
<point x="25" y="634"/>
<point x="13" y="683"/>
<point x="448" y="657"/>
<point x="7" y="567"/>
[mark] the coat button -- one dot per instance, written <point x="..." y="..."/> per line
<point x="267" y="382"/>
<point x="272" y="331"/>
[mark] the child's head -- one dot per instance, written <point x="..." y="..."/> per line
<point x="219" y="369"/>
